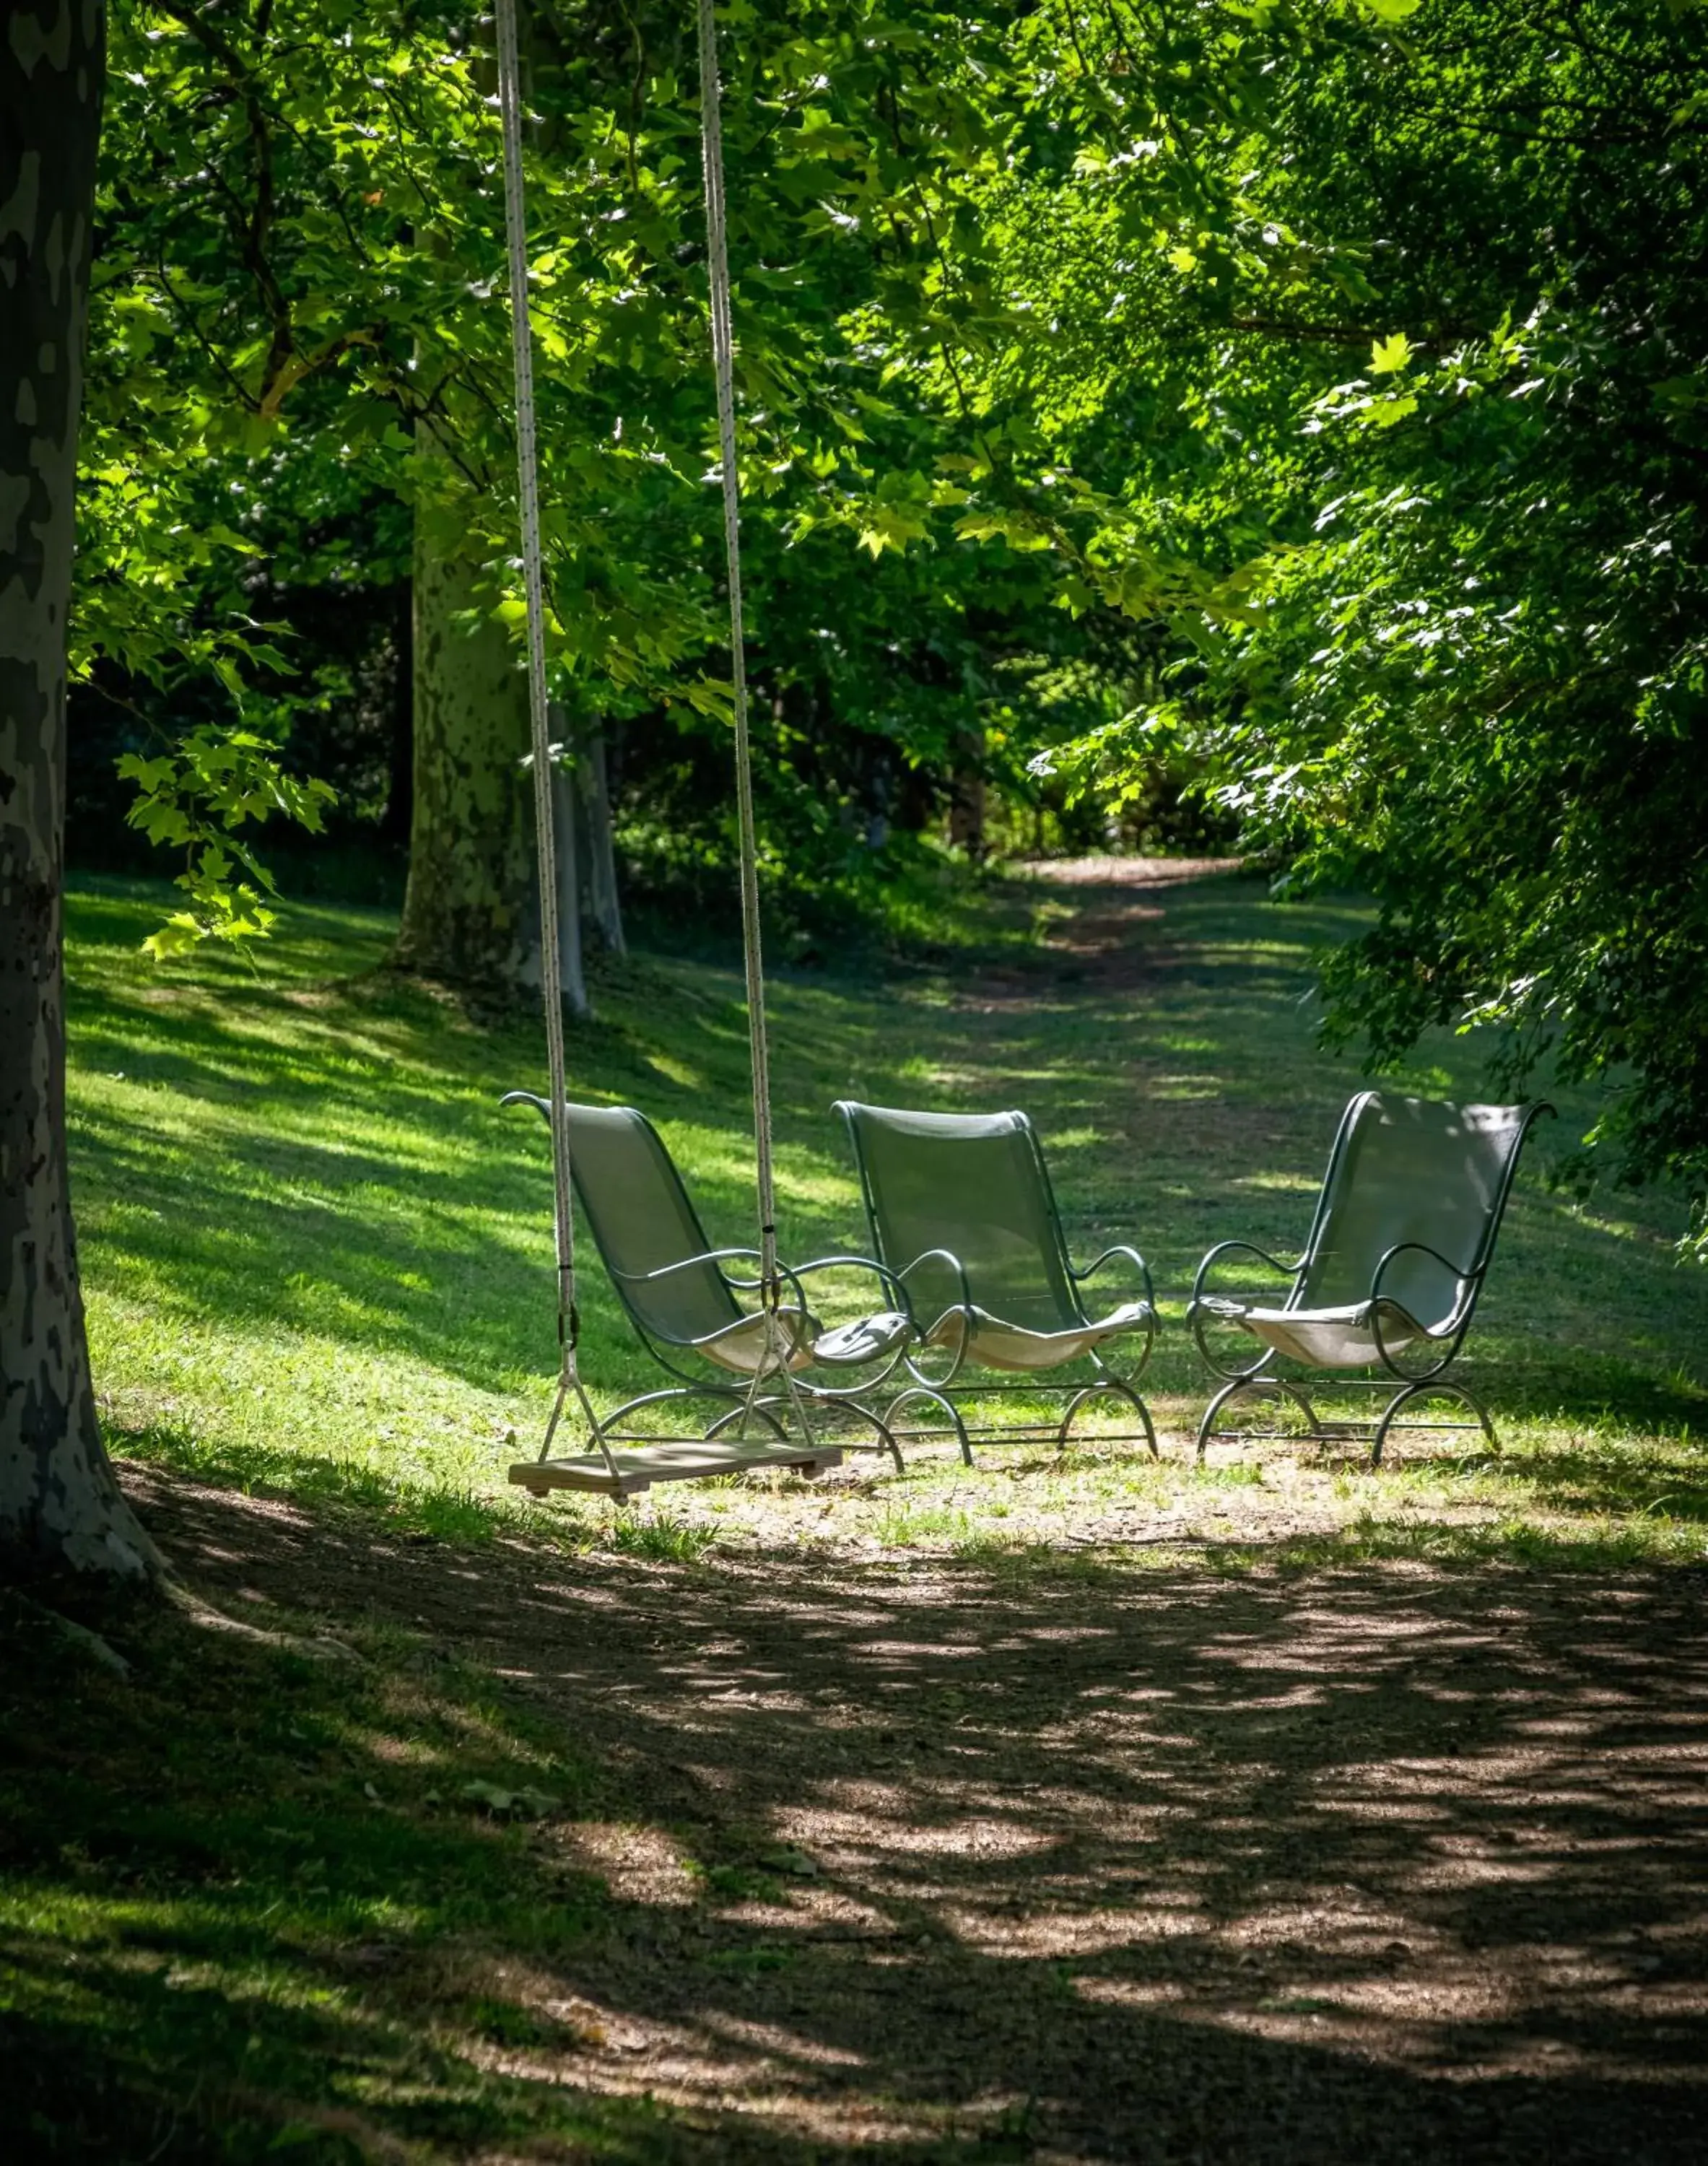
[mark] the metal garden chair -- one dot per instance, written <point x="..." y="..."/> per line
<point x="681" y="1296"/>
<point x="962" y="1215"/>
<point x="1399" y="1250"/>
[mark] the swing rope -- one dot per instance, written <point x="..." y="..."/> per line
<point x="723" y="363"/>
<point x="779" y="1349"/>
<point x="540" y="729"/>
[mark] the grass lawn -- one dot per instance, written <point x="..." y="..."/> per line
<point x="318" y="1256"/>
<point x="1076" y="1811"/>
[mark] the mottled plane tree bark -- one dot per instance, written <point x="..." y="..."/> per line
<point x="59" y="1505"/>
<point x="470" y="887"/>
<point x="471" y="908"/>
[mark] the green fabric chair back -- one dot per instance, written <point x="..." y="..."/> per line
<point x="975" y="1185"/>
<point x="1409" y="1170"/>
<point x="640" y="1217"/>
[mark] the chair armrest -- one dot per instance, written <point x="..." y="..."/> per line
<point x="715" y="1257"/>
<point x="687" y="1264"/>
<point x="1452" y="1331"/>
<point x="1133" y="1257"/>
<point x="1246" y="1248"/>
<point x="712" y="1256"/>
<point x="1197" y="1307"/>
<point x="942" y="1256"/>
<point x="1463" y="1280"/>
<point x="718" y="1256"/>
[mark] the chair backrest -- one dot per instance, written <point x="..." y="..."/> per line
<point x="1410" y="1169"/>
<point x="975" y="1185"/>
<point x="640" y="1217"/>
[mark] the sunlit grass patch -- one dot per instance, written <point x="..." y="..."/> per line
<point x="660" y="1536"/>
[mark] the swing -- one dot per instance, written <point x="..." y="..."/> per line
<point x="684" y="1299"/>
<point x="766" y="1349"/>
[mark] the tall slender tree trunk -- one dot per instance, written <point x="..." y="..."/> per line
<point x="59" y="1503"/>
<point x="604" y="903"/>
<point x="967" y="800"/>
<point x="469" y="900"/>
<point x="400" y="788"/>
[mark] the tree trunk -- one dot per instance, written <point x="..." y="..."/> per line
<point x="572" y="973"/>
<point x="470" y="894"/>
<point x="967" y="798"/>
<point x="604" y="904"/>
<point x="59" y="1505"/>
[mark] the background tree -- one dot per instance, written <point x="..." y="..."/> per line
<point x="1372" y="392"/>
<point x="1475" y="684"/>
<point x="301" y="240"/>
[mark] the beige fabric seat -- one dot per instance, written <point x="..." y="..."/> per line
<point x="1343" y="1338"/>
<point x="742" y="1347"/>
<point x="996" y="1345"/>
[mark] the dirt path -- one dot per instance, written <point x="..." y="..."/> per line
<point x="920" y="1861"/>
<point x="1106" y="946"/>
<point x="1064" y="1858"/>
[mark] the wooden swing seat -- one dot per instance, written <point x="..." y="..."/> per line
<point x="669" y="1460"/>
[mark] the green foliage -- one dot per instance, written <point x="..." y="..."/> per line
<point x="1315" y="394"/>
<point x="299" y="317"/>
<point x="301" y="299"/>
<point x="1454" y="652"/>
<point x="196" y="799"/>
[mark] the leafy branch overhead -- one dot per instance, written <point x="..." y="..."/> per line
<point x="197" y="799"/>
<point x="1304" y="402"/>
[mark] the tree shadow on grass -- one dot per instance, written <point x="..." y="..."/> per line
<point x="1037" y="1857"/>
<point x="322" y="1154"/>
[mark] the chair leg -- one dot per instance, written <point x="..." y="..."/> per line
<point x="1122" y="1390"/>
<point x="744" y="1413"/>
<point x="1260" y="1387"/>
<point x="886" y="1439"/>
<point x="945" y="1407"/>
<point x="1427" y="1390"/>
<point x="1206" y="1428"/>
<point x="610" y="1427"/>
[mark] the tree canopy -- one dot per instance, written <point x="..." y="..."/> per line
<point x="1297" y="408"/>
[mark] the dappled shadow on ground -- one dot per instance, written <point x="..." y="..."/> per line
<point x="1072" y="1860"/>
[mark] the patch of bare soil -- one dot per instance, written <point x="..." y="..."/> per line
<point x="920" y="1859"/>
<point x="1116" y="940"/>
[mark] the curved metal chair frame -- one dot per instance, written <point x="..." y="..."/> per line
<point x="778" y="1407"/>
<point x="843" y="1399"/>
<point x="944" y="1385"/>
<point x="1260" y="1378"/>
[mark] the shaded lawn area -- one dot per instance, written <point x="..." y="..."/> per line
<point x="800" y="1859"/>
<point x="1088" y="1809"/>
